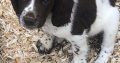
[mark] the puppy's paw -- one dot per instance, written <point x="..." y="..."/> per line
<point x="42" y="48"/>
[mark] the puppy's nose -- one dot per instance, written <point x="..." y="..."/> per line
<point x="30" y="15"/>
<point x="29" y="19"/>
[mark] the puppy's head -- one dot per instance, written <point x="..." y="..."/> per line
<point x="32" y="13"/>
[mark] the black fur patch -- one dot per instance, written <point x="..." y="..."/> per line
<point x="112" y="2"/>
<point x="15" y="5"/>
<point x="85" y="15"/>
<point x="61" y="12"/>
<point x="95" y="42"/>
<point x="19" y="5"/>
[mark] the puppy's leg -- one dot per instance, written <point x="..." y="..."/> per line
<point x="110" y="31"/>
<point x="79" y="47"/>
<point x="47" y="43"/>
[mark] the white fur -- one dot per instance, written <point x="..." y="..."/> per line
<point x="47" y="41"/>
<point x="61" y="32"/>
<point x="79" y="47"/>
<point x="110" y="29"/>
<point x="30" y="7"/>
<point x="76" y="1"/>
<point x="107" y="20"/>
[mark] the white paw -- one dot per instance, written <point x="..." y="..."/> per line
<point x="97" y="61"/>
<point x="42" y="49"/>
<point x="77" y="59"/>
<point x="104" y="56"/>
<point x="101" y="60"/>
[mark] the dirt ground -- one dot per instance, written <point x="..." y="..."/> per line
<point x="17" y="45"/>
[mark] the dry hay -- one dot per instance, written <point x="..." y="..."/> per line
<point x="17" y="45"/>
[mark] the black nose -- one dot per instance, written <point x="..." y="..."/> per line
<point x="30" y="20"/>
<point x="30" y="15"/>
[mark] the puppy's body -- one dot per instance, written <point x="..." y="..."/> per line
<point x="75" y="21"/>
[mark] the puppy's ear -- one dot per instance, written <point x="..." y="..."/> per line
<point x="15" y="5"/>
<point x="18" y="6"/>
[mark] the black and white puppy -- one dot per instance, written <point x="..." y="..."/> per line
<point x="75" y="21"/>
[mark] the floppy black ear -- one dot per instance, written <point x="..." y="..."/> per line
<point x="18" y="5"/>
<point x="61" y="12"/>
<point x="15" y="5"/>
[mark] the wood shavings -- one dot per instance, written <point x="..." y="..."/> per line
<point x="17" y="60"/>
